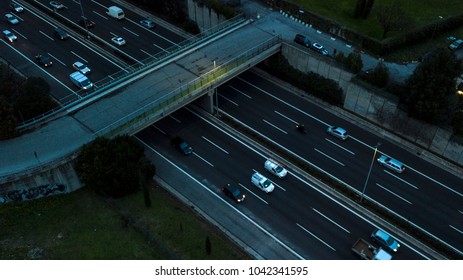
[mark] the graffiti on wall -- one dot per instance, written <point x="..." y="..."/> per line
<point x="32" y="193"/>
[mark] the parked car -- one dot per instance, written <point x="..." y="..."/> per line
<point x="118" y="41"/>
<point x="86" y="23"/>
<point x="391" y="163"/>
<point x="147" y="23"/>
<point x="338" y="132"/>
<point x="9" y="36"/>
<point x="319" y="48"/>
<point x="60" y="34"/>
<point x="234" y="193"/>
<point x="302" y="40"/>
<point x="11" y="19"/>
<point x="44" y="60"/>
<point x="82" y="68"/>
<point x="275" y="168"/>
<point x="385" y="240"/>
<point x="56" y="5"/>
<point x="456" y="45"/>
<point x="182" y="145"/>
<point x="16" y="7"/>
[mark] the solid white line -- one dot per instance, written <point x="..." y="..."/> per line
<point x="263" y="200"/>
<point x="319" y="239"/>
<point x="160" y="130"/>
<point x="229" y="100"/>
<point x="214" y="144"/>
<point x="232" y="87"/>
<point x="203" y="159"/>
<point x="460" y="231"/>
<point x="318" y="212"/>
<point x="233" y="208"/>
<point x="338" y="162"/>
<point x="400" y="179"/>
<point x="461" y="212"/>
<point x="286" y="117"/>
<point x="275" y="126"/>
<point x="81" y="58"/>
<point x="128" y="30"/>
<point x="177" y="120"/>
<point x="44" y="34"/>
<point x="393" y="193"/>
<point x="339" y="146"/>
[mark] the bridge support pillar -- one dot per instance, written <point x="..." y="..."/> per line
<point x="209" y="101"/>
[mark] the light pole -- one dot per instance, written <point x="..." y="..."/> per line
<point x="369" y="172"/>
<point x="84" y="19"/>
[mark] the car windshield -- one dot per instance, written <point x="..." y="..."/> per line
<point x="183" y="145"/>
<point x="278" y="169"/>
<point x="266" y="183"/>
<point x="236" y="192"/>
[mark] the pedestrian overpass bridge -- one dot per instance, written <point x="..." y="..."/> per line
<point x="141" y="99"/>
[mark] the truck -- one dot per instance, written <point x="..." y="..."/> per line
<point x="115" y="12"/>
<point x="81" y="80"/>
<point x="368" y="252"/>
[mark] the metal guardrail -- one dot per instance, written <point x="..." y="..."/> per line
<point x="186" y="92"/>
<point x="133" y="70"/>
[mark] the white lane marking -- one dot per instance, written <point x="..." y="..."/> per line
<point x="152" y="32"/>
<point x="214" y="144"/>
<point x="81" y="58"/>
<point x="263" y="200"/>
<point x="145" y="52"/>
<point x="338" y="162"/>
<point x="318" y="238"/>
<point x="400" y="179"/>
<point x="160" y="130"/>
<point x="177" y="120"/>
<point x="461" y="212"/>
<point x="161" y="48"/>
<point x="44" y="34"/>
<point x="128" y="30"/>
<point x="232" y="87"/>
<point x="203" y="159"/>
<point x="113" y="34"/>
<point x="18" y="33"/>
<point x="233" y="208"/>
<point x="460" y="231"/>
<point x="363" y="143"/>
<point x="57" y="59"/>
<point x="280" y="187"/>
<point x="324" y="216"/>
<point x="339" y="146"/>
<point x="393" y="193"/>
<point x="318" y="189"/>
<point x="229" y="100"/>
<point x="271" y="124"/>
<point x="286" y="117"/>
<point x="100" y="15"/>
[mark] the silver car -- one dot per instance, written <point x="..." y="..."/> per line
<point x="16" y="7"/>
<point x="82" y="68"/>
<point x="11" y="19"/>
<point x="9" y="36"/>
<point x="338" y="132"/>
<point x="391" y="163"/>
<point x="147" y="23"/>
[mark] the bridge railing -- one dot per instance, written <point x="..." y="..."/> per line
<point x="184" y="94"/>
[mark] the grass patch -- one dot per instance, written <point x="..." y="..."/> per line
<point x="81" y="225"/>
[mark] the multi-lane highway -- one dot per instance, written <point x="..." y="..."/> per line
<point x="35" y="36"/>
<point x="314" y="225"/>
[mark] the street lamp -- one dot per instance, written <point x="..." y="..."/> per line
<point x="84" y="19"/>
<point x="369" y="171"/>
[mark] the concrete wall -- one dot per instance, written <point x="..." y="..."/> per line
<point x="205" y="18"/>
<point x="379" y="109"/>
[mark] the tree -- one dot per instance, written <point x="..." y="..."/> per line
<point x="354" y="61"/>
<point x="7" y="120"/>
<point x="34" y="99"/>
<point x="431" y="88"/>
<point x="391" y="18"/>
<point x="379" y="76"/>
<point x="113" y="167"/>
<point x="363" y="8"/>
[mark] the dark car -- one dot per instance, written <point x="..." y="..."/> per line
<point x="86" y="23"/>
<point x="234" y="193"/>
<point x="458" y="44"/>
<point x="147" y="23"/>
<point x="302" y="40"/>
<point x="385" y="240"/>
<point x="60" y="34"/>
<point x="43" y="60"/>
<point x="182" y="145"/>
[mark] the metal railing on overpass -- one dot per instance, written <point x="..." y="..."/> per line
<point x="183" y="95"/>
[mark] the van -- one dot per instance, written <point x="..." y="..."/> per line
<point x="81" y="80"/>
<point x="115" y="12"/>
<point x="275" y="168"/>
<point x="262" y="182"/>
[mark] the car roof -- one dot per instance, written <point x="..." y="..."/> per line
<point x="382" y="234"/>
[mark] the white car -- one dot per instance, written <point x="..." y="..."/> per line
<point x="319" y="48"/>
<point x="338" y="132"/>
<point x="11" y="19"/>
<point x="82" y="68"/>
<point x="9" y="36"/>
<point x="16" y="7"/>
<point x="275" y="168"/>
<point x="118" y="41"/>
<point x="262" y="182"/>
